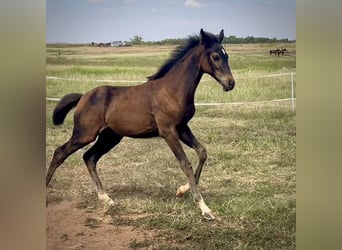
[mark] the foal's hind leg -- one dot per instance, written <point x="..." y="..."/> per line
<point x="190" y="140"/>
<point x="106" y="141"/>
<point x="81" y="136"/>
<point x="62" y="152"/>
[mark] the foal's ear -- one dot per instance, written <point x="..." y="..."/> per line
<point x="221" y="36"/>
<point x="204" y="37"/>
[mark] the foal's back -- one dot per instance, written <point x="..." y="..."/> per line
<point x="126" y="110"/>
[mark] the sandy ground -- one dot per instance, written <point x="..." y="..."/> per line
<point x="71" y="227"/>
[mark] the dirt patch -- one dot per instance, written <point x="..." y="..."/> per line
<point x="70" y="227"/>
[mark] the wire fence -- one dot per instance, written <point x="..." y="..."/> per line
<point x="291" y="98"/>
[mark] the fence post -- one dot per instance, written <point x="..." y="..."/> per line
<point x="292" y="92"/>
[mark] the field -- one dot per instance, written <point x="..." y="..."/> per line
<point x="249" y="180"/>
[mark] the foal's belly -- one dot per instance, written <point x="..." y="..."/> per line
<point x="129" y="113"/>
<point x="134" y="125"/>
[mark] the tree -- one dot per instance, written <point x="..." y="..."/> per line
<point x="136" y="39"/>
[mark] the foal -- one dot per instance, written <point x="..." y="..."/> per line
<point x="162" y="106"/>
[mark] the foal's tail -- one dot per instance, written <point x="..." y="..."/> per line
<point x="64" y="106"/>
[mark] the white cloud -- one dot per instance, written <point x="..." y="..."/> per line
<point x="194" y="4"/>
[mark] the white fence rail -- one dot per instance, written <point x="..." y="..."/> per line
<point x="291" y="74"/>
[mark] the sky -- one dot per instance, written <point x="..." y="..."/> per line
<point x="86" y="21"/>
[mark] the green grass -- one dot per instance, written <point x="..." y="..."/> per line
<point x="249" y="180"/>
<point x="135" y="64"/>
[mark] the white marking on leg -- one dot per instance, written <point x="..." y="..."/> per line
<point x="104" y="197"/>
<point x="182" y="190"/>
<point x="206" y="212"/>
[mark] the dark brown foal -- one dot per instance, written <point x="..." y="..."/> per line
<point x="162" y="106"/>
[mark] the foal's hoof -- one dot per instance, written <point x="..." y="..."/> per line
<point x="182" y="190"/>
<point x="108" y="205"/>
<point x="209" y="216"/>
<point x="179" y="193"/>
<point x="105" y="198"/>
<point x="110" y="202"/>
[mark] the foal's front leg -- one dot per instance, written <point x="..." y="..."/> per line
<point x="190" y="140"/>
<point x="172" y="139"/>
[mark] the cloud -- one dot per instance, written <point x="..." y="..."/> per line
<point x="97" y="1"/>
<point x="194" y="4"/>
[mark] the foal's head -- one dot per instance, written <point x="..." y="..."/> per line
<point x="215" y="60"/>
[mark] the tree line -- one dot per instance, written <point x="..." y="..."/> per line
<point x="230" y="40"/>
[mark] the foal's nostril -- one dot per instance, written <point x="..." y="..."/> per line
<point x="228" y="84"/>
<point x="231" y="83"/>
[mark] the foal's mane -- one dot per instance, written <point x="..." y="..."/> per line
<point x="176" y="55"/>
<point x="179" y="53"/>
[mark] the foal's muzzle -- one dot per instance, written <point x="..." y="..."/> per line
<point x="228" y="86"/>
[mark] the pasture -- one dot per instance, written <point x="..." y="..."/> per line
<point x="249" y="180"/>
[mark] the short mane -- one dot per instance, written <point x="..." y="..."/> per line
<point x="181" y="51"/>
<point x="176" y="55"/>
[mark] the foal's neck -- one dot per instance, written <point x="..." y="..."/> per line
<point x="186" y="75"/>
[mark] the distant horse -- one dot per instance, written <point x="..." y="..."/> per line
<point x="162" y="106"/>
<point x="282" y="51"/>
<point x="274" y="51"/>
<point x="278" y="51"/>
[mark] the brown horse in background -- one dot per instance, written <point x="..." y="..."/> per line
<point x="278" y="51"/>
<point x="162" y="106"/>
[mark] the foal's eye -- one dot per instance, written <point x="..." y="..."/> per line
<point x="216" y="57"/>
